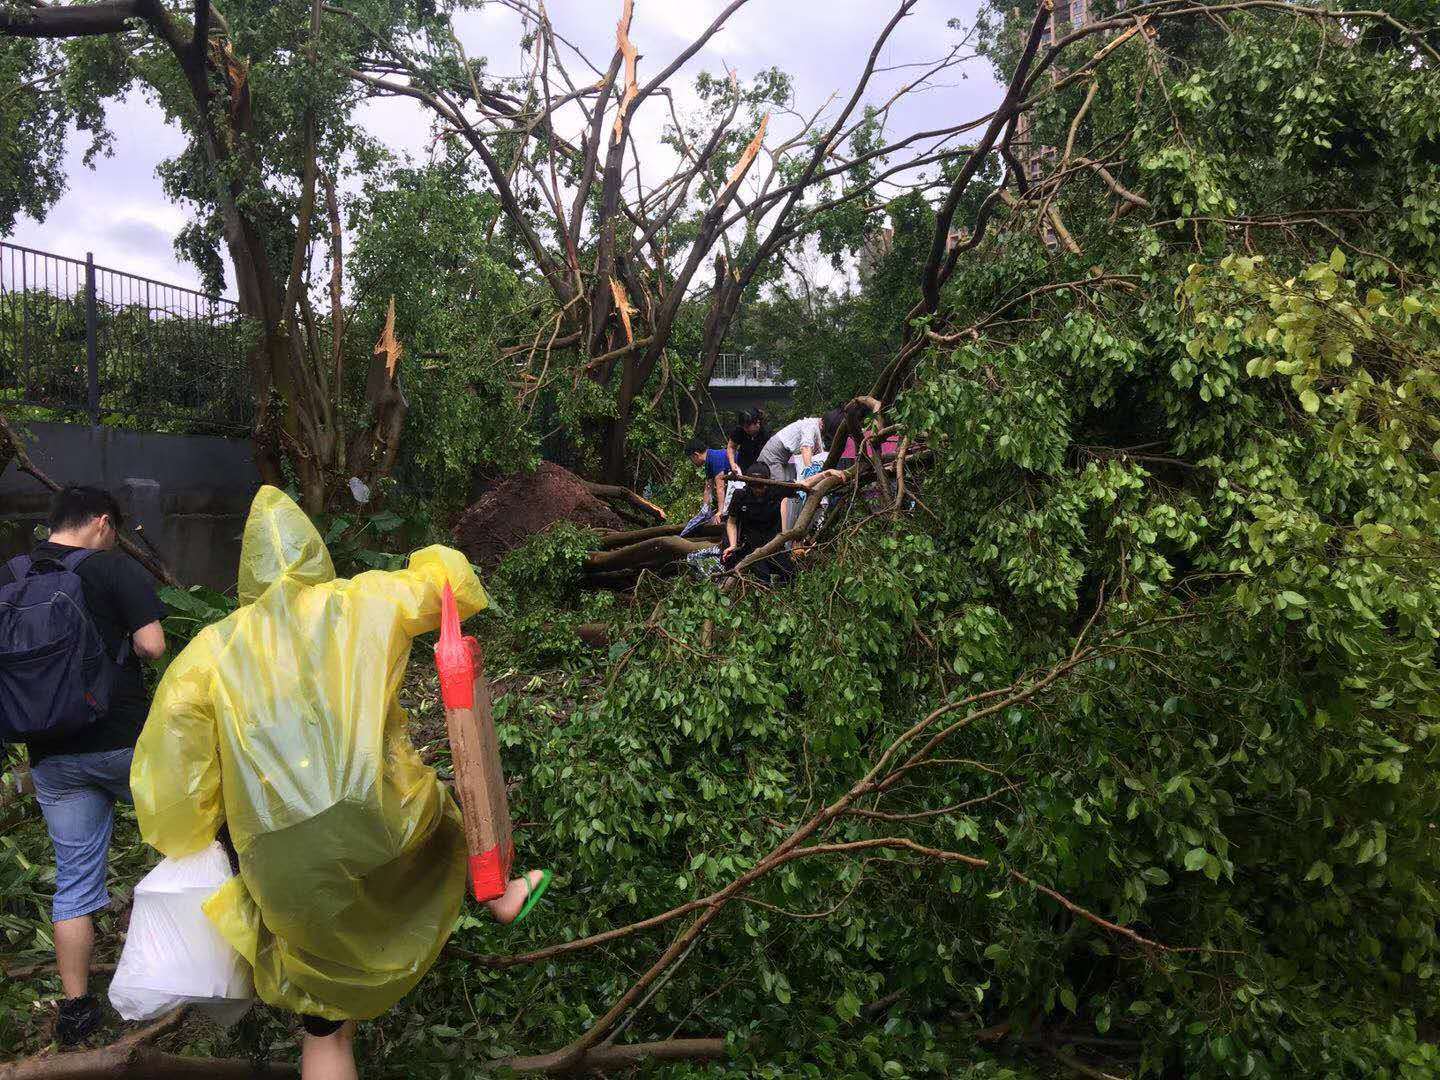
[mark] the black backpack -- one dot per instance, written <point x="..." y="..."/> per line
<point x="55" y="675"/>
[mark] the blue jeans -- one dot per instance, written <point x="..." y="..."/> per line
<point x="77" y="794"/>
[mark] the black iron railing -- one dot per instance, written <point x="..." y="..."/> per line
<point x="79" y="340"/>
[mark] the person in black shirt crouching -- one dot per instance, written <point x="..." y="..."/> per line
<point x="754" y="521"/>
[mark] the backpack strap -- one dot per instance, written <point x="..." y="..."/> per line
<point x="19" y="566"/>
<point x="72" y="561"/>
<point x="65" y="562"/>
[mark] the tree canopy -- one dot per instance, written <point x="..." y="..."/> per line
<point x="1094" y="732"/>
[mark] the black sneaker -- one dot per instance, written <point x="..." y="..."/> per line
<point x="79" y="1017"/>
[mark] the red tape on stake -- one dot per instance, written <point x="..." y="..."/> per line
<point x="453" y="657"/>
<point x="490" y="872"/>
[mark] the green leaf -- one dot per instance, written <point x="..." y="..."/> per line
<point x="1309" y="401"/>
<point x="1196" y="858"/>
<point x="386" y="522"/>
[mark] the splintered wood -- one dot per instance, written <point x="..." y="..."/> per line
<point x="627" y="49"/>
<point x="742" y="166"/>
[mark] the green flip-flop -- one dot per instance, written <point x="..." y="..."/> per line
<point x="535" y="894"/>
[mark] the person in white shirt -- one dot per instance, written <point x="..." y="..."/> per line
<point x="803" y="438"/>
<point x="807" y="439"/>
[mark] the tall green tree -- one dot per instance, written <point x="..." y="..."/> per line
<point x="260" y="91"/>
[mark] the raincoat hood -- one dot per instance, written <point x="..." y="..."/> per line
<point x="280" y="542"/>
<point x="282" y="722"/>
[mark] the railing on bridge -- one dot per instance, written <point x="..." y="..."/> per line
<point x="84" y="341"/>
<point x="746" y="369"/>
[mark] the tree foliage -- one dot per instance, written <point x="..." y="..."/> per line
<point x="1115" y="734"/>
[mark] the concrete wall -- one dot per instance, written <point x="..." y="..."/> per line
<point x="191" y="492"/>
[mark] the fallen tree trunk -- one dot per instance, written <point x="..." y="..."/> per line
<point x="610" y="541"/>
<point x="619" y="538"/>
<point x="133" y="1057"/>
<point x="628" y="500"/>
<point x="118" y="1061"/>
<point x="619" y="580"/>
<point x="601" y="1058"/>
<point x="648" y="554"/>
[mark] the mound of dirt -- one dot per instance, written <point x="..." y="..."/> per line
<point x="522" y="505"/>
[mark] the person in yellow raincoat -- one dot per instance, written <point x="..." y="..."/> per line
<point x="281" y="723"/>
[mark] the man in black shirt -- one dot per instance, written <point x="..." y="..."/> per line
<point x="79" y="777"/>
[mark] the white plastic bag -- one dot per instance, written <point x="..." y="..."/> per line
<point x="173" y="954"/>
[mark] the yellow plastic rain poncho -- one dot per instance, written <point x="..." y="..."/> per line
<point x="282" y="721"/>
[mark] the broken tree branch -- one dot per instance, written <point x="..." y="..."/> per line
<point x="602" y="1058"/>
<point x="133" y="1058"/>
<point x="614" y="493"/>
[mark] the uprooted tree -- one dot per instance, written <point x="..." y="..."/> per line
<point x="1177" y="391"/>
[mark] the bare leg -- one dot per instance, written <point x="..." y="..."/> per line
<point x="331" y="1057"/>
<point x="506" y="907"/>
<point x="74" y="943"/>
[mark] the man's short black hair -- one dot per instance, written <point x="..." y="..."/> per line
<point x="76" y="506"/>
<point x="696" y="446"/>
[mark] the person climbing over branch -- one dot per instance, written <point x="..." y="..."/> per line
<point x="807" y="439"/>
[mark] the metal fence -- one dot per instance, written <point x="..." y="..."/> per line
<point x="81" y="340"/>
<point x="746" y="369"/>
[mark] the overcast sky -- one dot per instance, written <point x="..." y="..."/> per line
<point x="118" y="211"/>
